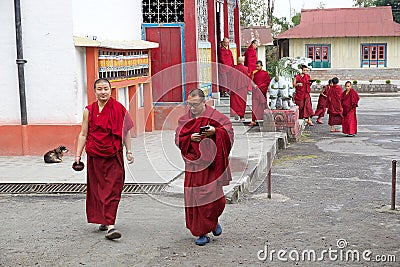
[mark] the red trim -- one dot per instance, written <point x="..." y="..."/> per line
<point x="212" y="38"/>
<point x="190" y="13"/>
<point x="237" y="30"/>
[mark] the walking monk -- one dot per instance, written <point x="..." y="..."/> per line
<point x="349" y="103"/>
<point x="105" y="129"/>
<point x="321" y="106"/>
<point x="302" y="96"/>
<point x="240" y="85"/>
<point x="261" y="81"/>
<point x="333" y="102"/>
<point x="205" y="152"/>
<point x="251" y="56"/>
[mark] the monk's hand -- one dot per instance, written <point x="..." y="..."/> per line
<point x="129" y="157"/>
<point x="196" y="137"/>
<point x="299" y="84"/>
<point x="77" y="159"/>
<point x="209" y="132"/>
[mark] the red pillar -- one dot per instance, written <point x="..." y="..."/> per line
<point x="190" y="14"/>
<point x="226" y="28"/>
<point x="212" y="38"/>
<point x="237" y="30"/>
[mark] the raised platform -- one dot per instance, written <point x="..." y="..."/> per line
<point x="286" y="121"/>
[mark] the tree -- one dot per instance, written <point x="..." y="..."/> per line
<point x="395" y="4"/>
<point x="253" y="13"/>
<point x="321" y="5"/>
<point x="363" y="3"/>
<point x="270" y="11"/>
<point x="279" y="25"/>
<point x="296" y="19"/>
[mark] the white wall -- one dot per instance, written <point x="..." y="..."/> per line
<point x="55" y="74"/>
<point x="9" y="102"/>
<point x="116" y="20"/>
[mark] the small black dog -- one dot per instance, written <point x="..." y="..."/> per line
<point x="55" y="155"/>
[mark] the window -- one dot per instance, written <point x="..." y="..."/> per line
<point x="231" y="19"/>
<point x="373" y="55"/>
<point x="162" y="11"/>
<point x="202" y="18"/>
<point x="320" y="55"/>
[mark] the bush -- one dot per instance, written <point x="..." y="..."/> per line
<point x="318" y="81"/>
<point x="355" y="82"/>
<point x="370" y="80"/>
<point x="387" y="81"/>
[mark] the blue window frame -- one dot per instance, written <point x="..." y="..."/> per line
<point x="320" y="55"/>
<point x="373" y="55"/>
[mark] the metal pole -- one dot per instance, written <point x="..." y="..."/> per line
<point x="393" y="204"/>
<point x="20" y="62"/>
<point x="269" y="183"/>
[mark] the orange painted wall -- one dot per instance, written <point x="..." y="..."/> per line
<point x="11" y="140"/>
<point x="18" y="140"/>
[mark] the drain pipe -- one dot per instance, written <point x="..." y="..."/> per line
<point x="20" y="62"/>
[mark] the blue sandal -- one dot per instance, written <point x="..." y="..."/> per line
<point x="218" y="230"/>
<point x="202" y="240"/>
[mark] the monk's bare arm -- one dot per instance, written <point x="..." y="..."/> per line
<point x="295" y="83"/>
<point x="128" y="146"/>
<point x="82" y="135"/>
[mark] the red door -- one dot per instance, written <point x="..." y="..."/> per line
<point x="166" y="63"/>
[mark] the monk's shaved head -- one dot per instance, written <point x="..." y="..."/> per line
<point x="197" y="92"/>
<point x="240" y="60"/>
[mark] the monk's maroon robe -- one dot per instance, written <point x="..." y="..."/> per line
<point x="334" y="105"/>
<point x="321" y="106"/>
<point x="302" y="96"/>
<point x="240" y="85"/>
<point x="250" y="58"/>
<point x="105" y="166"/>
<point x="259" y="96"/>
<point x="225" y="59"/>
<point x="206" y="168"/>
<point x="349" y="104"/>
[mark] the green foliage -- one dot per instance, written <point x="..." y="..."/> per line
<point x="363" y="3"/>
<point x="272" y="59"/>
<point x="253" y="13"/>
<point x="296" y="19"/>
<point x="387" y="81"/>
<point x="355" y="82"/>
<point x="318" y="81"/>
<point x="280" y="25"/>
<point x="370" y="80"/>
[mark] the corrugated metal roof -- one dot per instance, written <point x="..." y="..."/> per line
<point x="113" y="44"/>
<point x="262" y="34"/>
<point x="344" y="22"/>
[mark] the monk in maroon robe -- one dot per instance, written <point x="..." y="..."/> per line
<point x="350" y="100"/>
<point x="321" y="106"/>
<point x="250" y="56"/>
<point x="105" y="129"/>
<point x="259" y="103"/>
<point x="226" y="62"/>
<point x="302" y="96"/>
<point x="334" y="105"/>
<point x="206" y="165"/>
<point x="240" y="85"/>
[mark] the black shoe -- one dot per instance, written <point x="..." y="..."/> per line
<point x="113" y="234"/>
<point x="103" y="227"/>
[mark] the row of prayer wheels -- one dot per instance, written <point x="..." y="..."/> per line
<point x="123" y="62"/>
